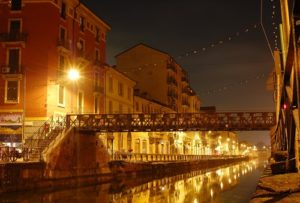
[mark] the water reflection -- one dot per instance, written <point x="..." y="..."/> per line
<point x="194" y="187"/>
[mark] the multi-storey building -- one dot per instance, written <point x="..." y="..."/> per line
<point x="118" y="100"/>
<point x="159" y="77"/>
<point x="40" y="42"/>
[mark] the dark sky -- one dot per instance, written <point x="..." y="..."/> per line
<point x="230" y="73"/>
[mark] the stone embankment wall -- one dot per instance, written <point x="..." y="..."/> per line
<point x="78" y="158"/>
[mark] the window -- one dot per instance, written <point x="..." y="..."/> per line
<point x="110" y="84"/>
<point x="15" y="27"/>
<point x="61" y="67"/>
<point x="144" y="146"/>
<point x="96" y="104"/>
<point x="129" y="138"/>
<point x="80" y="102"/>
<point x="63" y="10"/>
<point x="97" y="34"/>
<point x="12" y="91"/>
<point x="120" y="140"/>
<point x="137" y="146"/>
<point x="129" y="93"/>
<point x="14" y="60"/>
<point x="110" y="107"/>
<point x="120" y="108"/>
<point x="16" y="5"/>
<point x="120" y="89"/>
<point x="97" y="81"/>
<point x="82" y="23"/>
<point x="97" y="55"/>
<point x="80" y="48"/>
<point x="62" y="34"/>
<point x="61" y="95"/>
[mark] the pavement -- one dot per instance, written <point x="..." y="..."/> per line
<point x="277" y="188"/>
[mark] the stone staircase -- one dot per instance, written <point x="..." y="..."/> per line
<point x="43" y="137"/>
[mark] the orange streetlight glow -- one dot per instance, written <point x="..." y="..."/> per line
<point x="73" y="74"/>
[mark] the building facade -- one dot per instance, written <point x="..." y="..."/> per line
<point x="159" y="77"/>
<point x="40" y="42"/>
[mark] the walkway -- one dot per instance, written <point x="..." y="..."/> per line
<point x="278" y="188"/>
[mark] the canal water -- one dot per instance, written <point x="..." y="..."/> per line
<point x="228" y="184"/>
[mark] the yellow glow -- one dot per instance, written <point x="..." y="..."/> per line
<point x="73" y="74"/>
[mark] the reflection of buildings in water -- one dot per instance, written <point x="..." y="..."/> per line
<point x="196" y="186"/>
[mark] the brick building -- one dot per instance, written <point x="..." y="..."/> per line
<point x="40" y="42"/>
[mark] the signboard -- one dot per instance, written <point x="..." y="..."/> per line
<point x="11" y="126"/>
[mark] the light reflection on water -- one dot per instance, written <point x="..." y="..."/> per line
<point x="233" y="183"/>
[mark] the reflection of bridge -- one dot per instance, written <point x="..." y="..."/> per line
<point x="233" y="121"/>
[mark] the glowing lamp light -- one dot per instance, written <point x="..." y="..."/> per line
<point x="73" y="74"/>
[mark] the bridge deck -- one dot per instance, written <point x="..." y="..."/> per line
<point x="226" y="121"/>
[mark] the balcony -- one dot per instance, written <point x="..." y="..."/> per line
<point x="98" y="89"/>
<point x="172" y="94"/>
<point x="184" y="79"/>
<point x="172" y="81"/>
<point x="185" y="103"/>
<point x="63" y="44"/>
<point x="188" y="90"/>
<point x="171" y="67"/>
<point x="13" y="37"/>
<point x="6" y="69"/>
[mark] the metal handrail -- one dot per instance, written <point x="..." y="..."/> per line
<point x="49" y="130"/>
<point x="128" y="156"/>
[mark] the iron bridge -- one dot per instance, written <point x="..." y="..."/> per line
<point x="166" y="122"/>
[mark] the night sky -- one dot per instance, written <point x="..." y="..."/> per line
<point x="220" y="43"/>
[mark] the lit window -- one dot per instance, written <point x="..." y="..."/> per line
<point x="82" y="23"/>
<point x="61" y="67"/>
<point x="12" y="91"/>
<point x="110" y="84"/>
<point x="61" y="95"/>
<point x="110" y="107"/>
<point x="120" y="89"/>
<point x="120" y="108"/>
<point x="129" y="93"/>
<point x="96" y="104"/>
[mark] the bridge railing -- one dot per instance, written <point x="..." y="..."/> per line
<point x="145" y="157"/>
<point x="231" y="121"/>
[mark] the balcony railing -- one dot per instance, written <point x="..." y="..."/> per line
<point x="171" y="67"/>
<point x="63" y="43"/>
<point x="172" y="81"/>
<point x="144" y="157"/>
<point x="185" y="103"/>
<point x="7" y="69"/>
<point x="13" y="37"/>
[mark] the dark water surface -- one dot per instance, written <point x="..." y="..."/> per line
<point x="234" y="183"/>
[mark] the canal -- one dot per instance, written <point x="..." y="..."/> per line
<point x="231" y="183"/>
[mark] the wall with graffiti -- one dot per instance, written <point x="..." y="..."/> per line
<point x="11" y="127"/>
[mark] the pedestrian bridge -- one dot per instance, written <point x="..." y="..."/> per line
<point x="166" y="122"/>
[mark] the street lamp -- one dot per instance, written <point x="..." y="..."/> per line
<point x="73" y="75"/>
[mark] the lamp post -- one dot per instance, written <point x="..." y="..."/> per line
<point x="73" y="75"/>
